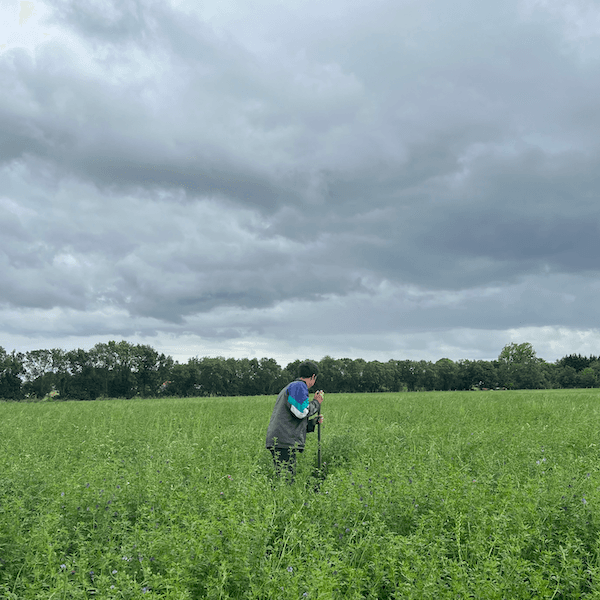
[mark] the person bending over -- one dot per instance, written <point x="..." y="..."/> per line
<point x="291" y="420"/>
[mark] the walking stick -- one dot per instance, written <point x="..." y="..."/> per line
<point x="319" y="439"/>
<point x="319" y="435"/>
<point x="318" y="473"/>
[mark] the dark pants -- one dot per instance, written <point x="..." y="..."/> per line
<point x="285" y="461"/>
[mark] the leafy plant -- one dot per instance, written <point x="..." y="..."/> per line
<point x="432" y="495"/>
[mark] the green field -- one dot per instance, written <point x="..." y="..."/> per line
<point x="427" y="495"/>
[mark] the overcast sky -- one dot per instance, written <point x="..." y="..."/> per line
<point x="377" y="179"/>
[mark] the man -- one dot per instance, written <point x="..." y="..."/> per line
<point x="286" y="434"/>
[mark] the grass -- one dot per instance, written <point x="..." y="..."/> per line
<point x="428" y="495"/>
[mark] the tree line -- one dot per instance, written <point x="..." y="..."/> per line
<point x="125" y="370"/>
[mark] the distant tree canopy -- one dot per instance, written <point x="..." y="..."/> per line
<point x="518" y="354"/>
<point x="124" y="370"/>
<point x="520" y="368"/>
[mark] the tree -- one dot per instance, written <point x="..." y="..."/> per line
<point x="514" y="353"/>
<point x="117" y="366"/>
<point x="38" y="373"/>
<point x="84" y="383"/>
<point x="596" y="367"/>
<point x="122" y="381"/>
<point x="268" y="374"/>
<point x="283" y="379"/>
<point x="388" y="378"/>
<point x="246" y="377"/>
<point x="353" y="369"/>
<point x="104" y="359"/>
<point x="373" y="378"/>
<point x="445" y="374"/>
<point x="252" y="377"/>
<point x="587" y="378"/>
<point x="150" y="369"/>
<point x="406" y="376"/>
<point x="424" y="375"/>
<point x="330" y="374"/>
<point x="185" y="379"/>
<point x="216" y="376"/>
<point x="549" y="374"/>
<point x="520" y="367"/>
<point x="476" y="374"/>
<point x="576" y="361"/>
<point x="60" y="371"/>
<point x="292" y="369"/>
<point x="11" y="367"/>
<point x="567" y="377"/>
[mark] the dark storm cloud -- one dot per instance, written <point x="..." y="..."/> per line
<point x="533" y="212"/>
<point x="227" y="170"/>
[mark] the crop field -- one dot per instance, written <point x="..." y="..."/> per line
<point x="435" y="495"/>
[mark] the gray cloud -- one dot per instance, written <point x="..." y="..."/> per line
<point x="227" y="174"/>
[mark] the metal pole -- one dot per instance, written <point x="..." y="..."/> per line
<point x="319" y="438"/>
